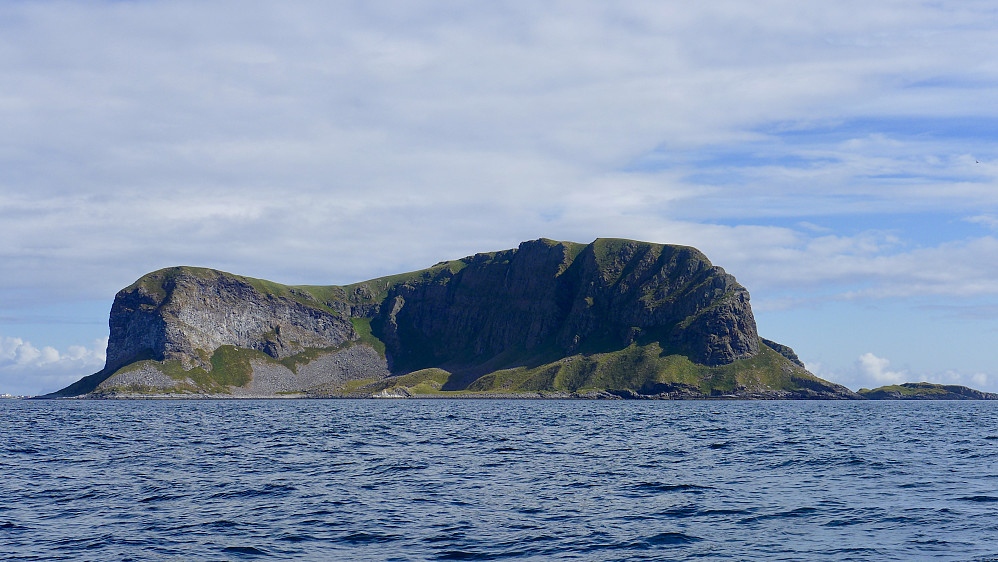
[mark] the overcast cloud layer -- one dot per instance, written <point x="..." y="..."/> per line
<point x="839" y="158"/>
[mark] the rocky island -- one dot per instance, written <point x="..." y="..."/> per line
<point x="925" y="391"/>
<point x="611" y="319"/>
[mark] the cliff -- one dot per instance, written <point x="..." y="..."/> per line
<point x="610" y="318"/>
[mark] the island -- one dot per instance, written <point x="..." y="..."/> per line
<point x="611" y="319"/>
<point x="925" y="391"/>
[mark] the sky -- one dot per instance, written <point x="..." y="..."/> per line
<point x="838" y="158"/>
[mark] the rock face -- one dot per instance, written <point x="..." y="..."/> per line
<point x="926" y="391"/>
<point x="784" y="351"/>
<point x="553" y="294"/>
<point x="182" y="313"/>
<point x="512" y="319"/>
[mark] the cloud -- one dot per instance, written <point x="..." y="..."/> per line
<point x="25" y="368"/>
<point x="989" y="221"/>
<point x="796" y="267"/>
<point x="875" y="368"/>
<point x="18" y="353"/>
<point x="871" y="371"/>
<point x="333" y="142"/>
<point x="256" y="141"/>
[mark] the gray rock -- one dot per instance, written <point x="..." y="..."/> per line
<point x="147" y="377"/>
<point x="187" y="313"/>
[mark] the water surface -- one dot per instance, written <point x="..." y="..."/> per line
<point x="498" y="479"/>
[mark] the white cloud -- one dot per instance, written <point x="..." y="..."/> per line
<point x="796" y="267"/>
<point x="989" y="221"/>
<point x="331" y="142"/>
<point x="27" y="369"/>
<point x="982" y="380"/>
<point x="871" y="371"/>
<point x="876" y="368"/>
<point x="256" y="141"/>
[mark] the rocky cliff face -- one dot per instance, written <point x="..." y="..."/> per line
<point x="565" y="296"/>
<point x="187" y="313"/>
<point x="636" y="315"/>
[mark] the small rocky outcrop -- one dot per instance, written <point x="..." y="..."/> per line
<point x="784" y="351"/>
<point x="925" y="391"/>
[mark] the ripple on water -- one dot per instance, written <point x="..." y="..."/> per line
<point x="979" y="499"/>
<point x="245" y="550"/>
<point x="483" y="480"/>
<point x="660" y="487"/>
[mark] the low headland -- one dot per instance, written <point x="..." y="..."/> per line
<point x="611" y="319"/>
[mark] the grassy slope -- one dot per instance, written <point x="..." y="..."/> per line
<point x="230" y="366"/>
<point x="643" y="368"/>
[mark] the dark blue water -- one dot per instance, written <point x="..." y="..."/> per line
<point x="498" y="479"/>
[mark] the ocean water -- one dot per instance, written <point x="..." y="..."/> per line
<point x="498" y="480"/>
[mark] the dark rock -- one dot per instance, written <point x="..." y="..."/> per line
<point x="542" y="294"/>
<point x="784" y="351"/>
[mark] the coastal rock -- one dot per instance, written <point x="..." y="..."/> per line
<point x="186" y="313"/>
<point x="925" y="391"/>
<point x="784" y="351"/>
<point x="570" y="298"/>
<point x="614" y="318"/>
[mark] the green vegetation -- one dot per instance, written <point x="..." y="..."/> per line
<point x="363" y="328"/>
<point x="425" y="381"/>
<point x="902" y="390"/>
<point x="375" y="290"/>
<point x="305" y="295"/>
<point x="230" y="367"/>
<point x="643" y="368"/>
<point x="925" y="391"/>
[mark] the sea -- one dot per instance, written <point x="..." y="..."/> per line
<point x="498" y="480"/>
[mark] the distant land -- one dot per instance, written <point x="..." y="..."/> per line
<point x="925" y="391"/>
<point x="611" y="319"/>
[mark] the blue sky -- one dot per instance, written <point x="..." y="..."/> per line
<point x="838" y="159"/>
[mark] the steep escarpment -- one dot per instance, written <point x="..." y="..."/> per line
<point x="568" y="298"/>
<point x="610" y="318"/>
<point x="181" y="313"/>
